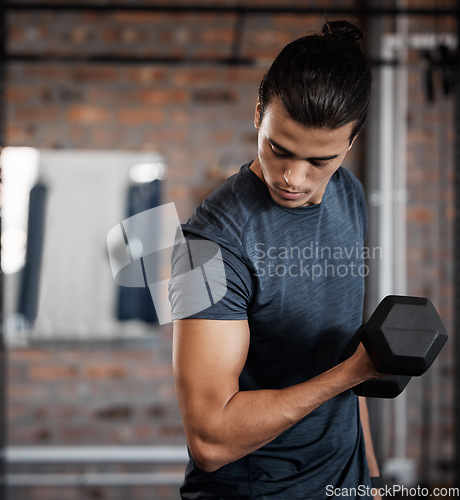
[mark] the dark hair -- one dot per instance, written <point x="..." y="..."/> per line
<point x="323" y="79"/>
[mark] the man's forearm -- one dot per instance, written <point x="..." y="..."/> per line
<point x="251" y="419"/>
<point x="370" y="453"/>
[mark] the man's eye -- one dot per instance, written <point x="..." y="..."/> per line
<point x="319" y="164"/>
<point x="278" y="152"/>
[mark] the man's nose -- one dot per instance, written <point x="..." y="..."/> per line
<point x="296" y="174"/>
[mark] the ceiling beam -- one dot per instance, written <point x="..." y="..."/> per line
<point x="227" y="9"/>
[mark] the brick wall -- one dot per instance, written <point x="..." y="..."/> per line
<point x="125" y="393"/>
<point x="430" y="214"/>
<point x="199" y="117"/>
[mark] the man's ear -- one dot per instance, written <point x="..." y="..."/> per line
<point x="352" y="141"/>
<point x="257" y="115"/>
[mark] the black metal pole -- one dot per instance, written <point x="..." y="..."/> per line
<point x="214" y="8"/>
<point x="457" y="262"/>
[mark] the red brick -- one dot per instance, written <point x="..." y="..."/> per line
<point x="101" y="137"/>
<point x="114" y="412"/>
<point x="179" y="117"/>
<point x="297" y="24"/>
<point x="27" y="391"/>
<point x="218" y="36"/>
<point x="145" y="74"/>
<point x="78" y="434"/>
<point x="46" y="72"/>
<point x="223" y="137"/>
<point x="167" y="391"/>
<point x="89" y="114"/>
<point x="248" y="75"/>
<point x="450" y="212"/>
<point x="19" y="136"/>
<point x="28" y="355"/>
<point x="148" y="18"/>
<point x="96" y="74"/>
<point x="16" y="412"/>
<point x="196" y="77"/>
<point x="168" y="431"/>
<point x="141" y="115"/>
<point x="15" y="33"/>
<point x="104" y="371"/>
<point x="40" y="114"/>
<point x="52" y="372"/>
<point x="20" y="94"/>
<point x="179" y="192"/>
<point x="42" y="435"/>
<point x="214" y="96"/>
<point x="162" y="137"/>
<point x="140" y="355"/>
<point x="164" y="96"/>
<point x="150" y="372"/>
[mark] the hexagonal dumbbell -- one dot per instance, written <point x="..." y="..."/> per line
<point x="403" y="337"/>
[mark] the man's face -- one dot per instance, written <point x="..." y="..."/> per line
<point x="296" y="162"/>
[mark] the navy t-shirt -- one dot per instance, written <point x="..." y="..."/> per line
<point x="297" y="276"/>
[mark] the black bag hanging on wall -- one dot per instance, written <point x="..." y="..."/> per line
<point x="30" y="280"/>
<point x="137" y="303"/>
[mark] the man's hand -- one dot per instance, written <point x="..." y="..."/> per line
<point x="363" y="366"/>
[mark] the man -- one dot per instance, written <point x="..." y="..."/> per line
<point x="264" y="397"/>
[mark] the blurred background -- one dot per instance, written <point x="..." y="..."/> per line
<point x="111" y="108"/>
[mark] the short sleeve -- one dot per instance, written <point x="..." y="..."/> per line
<point x="208" y="281"/>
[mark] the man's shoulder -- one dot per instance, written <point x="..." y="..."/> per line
<point x="225" y="213"/>
<point x="242" y="191"/>
<point x="347" y="177"/>
<point x="350" y="199"/>
<point x="232" y="202"/>
<point x="348" y="183"/>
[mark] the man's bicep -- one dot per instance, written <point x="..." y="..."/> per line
<point x="208" y="357"/>
<point x="208" y="281"/>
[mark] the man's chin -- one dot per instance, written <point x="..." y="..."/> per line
<point x="288" y="201"/>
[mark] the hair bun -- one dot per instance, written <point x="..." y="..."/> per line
<point x="343" y="29"/>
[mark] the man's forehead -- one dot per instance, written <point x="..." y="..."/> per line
<point x="279" y="119"/>
<point x="298" y="140"/>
